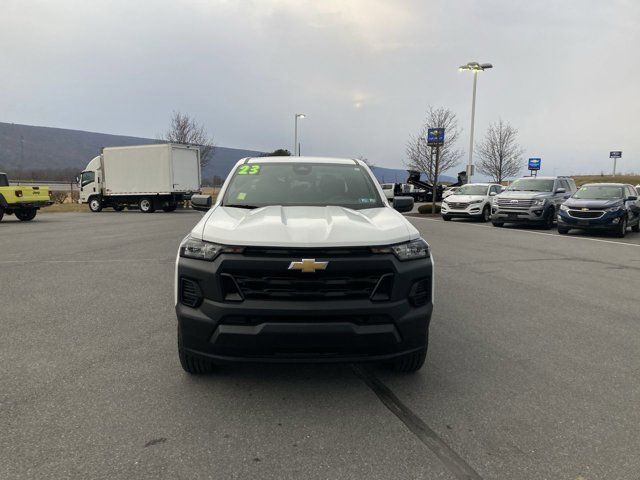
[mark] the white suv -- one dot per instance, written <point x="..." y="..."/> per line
<point x="472" y="200"/>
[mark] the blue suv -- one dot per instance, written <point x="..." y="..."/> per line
<point x="601" y="206"/>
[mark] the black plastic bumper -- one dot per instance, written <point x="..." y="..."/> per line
<point x="353" y="330"/>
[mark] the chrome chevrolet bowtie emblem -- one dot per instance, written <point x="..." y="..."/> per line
<point x="308" y="265"/>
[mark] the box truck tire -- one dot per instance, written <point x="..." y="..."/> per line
<point x="146" y="205"/>
<point x="95" y="204"/>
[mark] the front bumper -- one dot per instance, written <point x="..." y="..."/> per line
<point x="533" y="214"/>
<point x="473" y="210"/>
<point x="608" y="221"/>
<point x="285" y="330"/>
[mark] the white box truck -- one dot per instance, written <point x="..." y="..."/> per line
<point x="149" y="177"/>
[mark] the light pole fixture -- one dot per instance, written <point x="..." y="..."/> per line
<point x="296" y="148"/>
<point x="474" y="67"/>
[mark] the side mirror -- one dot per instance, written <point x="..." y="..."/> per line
<point x="492" y="194"/>
<point x="201" y="202"/>
<point x="561" y="190"/>
<point x="632" y="198"/>
<point x="403" y="204"/>
<point x="77" y="179"/>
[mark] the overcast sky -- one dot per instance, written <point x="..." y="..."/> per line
<point x="566" y="73"/>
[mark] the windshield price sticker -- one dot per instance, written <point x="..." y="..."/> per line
<point x="249" y="169"/>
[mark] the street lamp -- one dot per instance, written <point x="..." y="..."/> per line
<point x="474" y="67"/>
<point x="296" y="148"/>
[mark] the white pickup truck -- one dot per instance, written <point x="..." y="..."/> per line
<point x="303" y="260"/>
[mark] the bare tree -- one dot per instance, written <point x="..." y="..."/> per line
<point x="423" y="158"/>
<point x="186" y="130"/>
<point x="499" y="152"/>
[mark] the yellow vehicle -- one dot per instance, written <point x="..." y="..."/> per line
<point x="22" y="201"/>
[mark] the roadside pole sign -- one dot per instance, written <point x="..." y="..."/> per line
<point x="435" y="137"/>
<point x="534" y="165"/>
<point x="616" y="154"/>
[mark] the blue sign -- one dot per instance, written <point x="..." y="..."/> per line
<point x="616" y="154"/>
<point x="435" y="137"/>
<point x="534" y="163"/>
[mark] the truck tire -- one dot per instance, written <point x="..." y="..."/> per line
<point x="170" y="208"/>
<point x="486" y="214"/>
<point x="411" y="362"/>
<point x="146" y="205"/>
<point x="549" y="219"/>
<point x="190" y="364"/>
<point x="1" y="213"/>
<point x="26" y="214"/>
<point x="118" y="208"/>
<point x="95" y="204"/>
<point x="621" y="231"/>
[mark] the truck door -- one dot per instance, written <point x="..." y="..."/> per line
<point x="87" y="185"/>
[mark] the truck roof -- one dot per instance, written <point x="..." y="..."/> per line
<point x="343" y="161"/>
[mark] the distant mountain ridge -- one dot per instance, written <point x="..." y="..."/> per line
<point x="27" y="147"/>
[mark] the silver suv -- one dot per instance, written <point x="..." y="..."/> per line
<point x="532" y="200"/>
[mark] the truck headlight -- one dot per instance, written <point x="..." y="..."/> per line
<point x="614" y="208"/>
<point x="539" y="201"/>
<point x="200" y="250"/>
<point x="475" y="201"/>
<point x="411" y="250"/>
<point x="564" y="208"/>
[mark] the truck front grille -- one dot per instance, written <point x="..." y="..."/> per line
<point x="586" y="213"/>
<point x="515" y="204"/>
<point x="305" y="286"/>
<point x="458" y="205"/>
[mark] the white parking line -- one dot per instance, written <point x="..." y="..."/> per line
<point x="534" y="233"/>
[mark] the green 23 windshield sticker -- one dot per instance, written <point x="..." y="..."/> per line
<point x="249" y="169"/>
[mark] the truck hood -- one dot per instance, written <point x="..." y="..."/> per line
<point x="464" y="198"/>
<point x="583" y="203"/>
<point x="331" y="226"/>
<point x="525" y="195"/>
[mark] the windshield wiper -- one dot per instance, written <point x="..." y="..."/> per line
<point x="233" y="205"/>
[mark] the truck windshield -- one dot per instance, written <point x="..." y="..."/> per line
<point x="87" y="178"/>
<point x="531" y="185"/>
<point x="305" y="184"/>
<point x="4" y="181"/>
<point x="471" y="190"/>
<point x="598" y="192"/>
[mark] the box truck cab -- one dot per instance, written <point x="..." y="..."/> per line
<point x="149" y="177"/>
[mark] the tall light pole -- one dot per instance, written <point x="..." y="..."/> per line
<point x="296" y="148"/>
<point x="474" y="67"/>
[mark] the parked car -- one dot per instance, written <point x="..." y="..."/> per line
<point x="532" y="200"/>
<point x="470" y="201"/>
<point x="601" y="206"/>
<point x="449" y="191"/>
<point x="22" y="201"/>
<point x="303" y="260"/>
<point x="388" y="190"/>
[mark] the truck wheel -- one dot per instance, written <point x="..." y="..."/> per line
<point x="621" y="231"/>
<point x="95" y="205"/>
<point x="146" y="205"/>
<point x="170" y="208"/>
<point x="411" y="362"/>
<point x="191" y="364"/>
<point x="118" y="208"/>
<point x="486" y="214"/>
<point x="27" y="214"/>
<point x="1" y="213"/>
<point x="548" y="219"/>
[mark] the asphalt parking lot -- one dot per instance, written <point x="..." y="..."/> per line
<point x="532" y="370"/>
